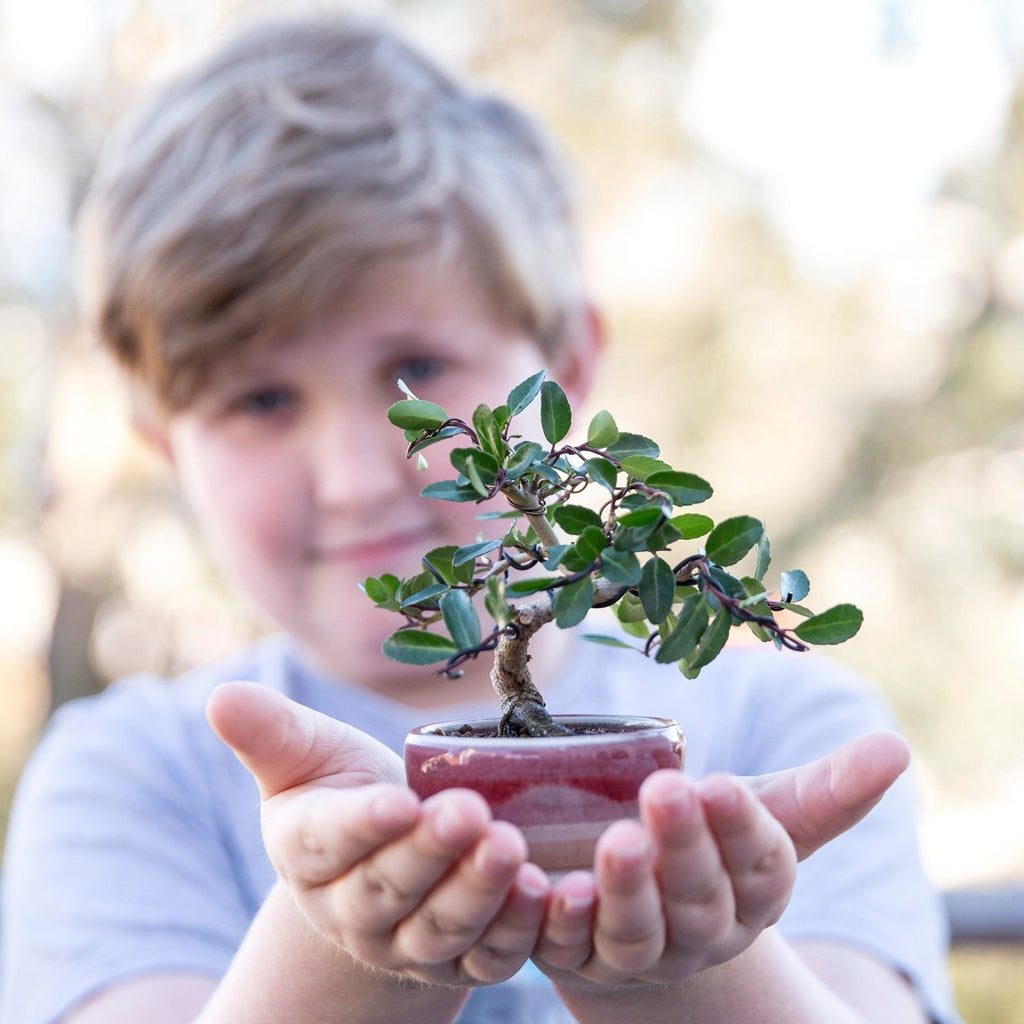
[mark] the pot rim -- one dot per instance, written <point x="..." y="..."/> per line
<point x="433" y="734"/>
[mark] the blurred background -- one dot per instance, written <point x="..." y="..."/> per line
<point x="806" y="224"/>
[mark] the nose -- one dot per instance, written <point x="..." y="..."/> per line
<point x="359" y="459"/>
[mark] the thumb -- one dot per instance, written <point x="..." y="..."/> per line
<point x="819" y="801"/>
<point x="285" y="744"/>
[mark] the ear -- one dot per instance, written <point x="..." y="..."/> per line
<point x="579" y="355"/>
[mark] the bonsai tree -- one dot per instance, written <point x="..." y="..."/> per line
<point x="555" y="557"/>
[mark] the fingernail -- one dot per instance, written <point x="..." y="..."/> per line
<point x="577" y="906"/>
<point x="633" y="850"/>
<point x="533" y="884"/>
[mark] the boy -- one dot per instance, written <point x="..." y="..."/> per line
<point x="314" y="212"/>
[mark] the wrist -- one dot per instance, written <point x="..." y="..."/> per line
<point x="767" y="982"/>
<point x="287" y="969"/>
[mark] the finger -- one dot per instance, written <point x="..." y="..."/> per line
<point x="817" y="802"/>
<point x="511" y="936"/>
<point x="389" y="885"/>
<point x="629" y="932"/>
<point x="566" y="940"/>
<point x="696" y="889"/>
<point x="757" y="854"/>
<point x="285" y="744"/>
<point x="317" y="834"/>
<point x="455" y="913"/>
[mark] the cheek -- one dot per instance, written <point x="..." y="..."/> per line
<point x="248" y="510"/>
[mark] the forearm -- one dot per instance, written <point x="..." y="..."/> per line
<point x="767" y="984"/>
<point x="285" y="970"/>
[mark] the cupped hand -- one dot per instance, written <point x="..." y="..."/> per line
<point x="710" y="866"/>
<point x="436" y="891"/>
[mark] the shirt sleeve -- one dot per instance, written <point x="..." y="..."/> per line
<point x="866" y="888"/>
<point x="115" y="865"/>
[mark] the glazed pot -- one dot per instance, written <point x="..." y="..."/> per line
<point x="562" y="792"/>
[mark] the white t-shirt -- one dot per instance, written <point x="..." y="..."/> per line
<point x="134" y="843"/>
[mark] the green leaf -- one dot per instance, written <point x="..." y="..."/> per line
<point x="682" y="488"/>
<point x="439" y="563"/>
<point x="545" y="472"/>
<point x="415" y="414"/>
<point x="621" y="567"/>
<point x="383" y="590"/>
<point x="691" y="621"/>
<point x="794" y="585"/>
<point x="692" y="525"/>
<point x="727" y="583"/>
<point x="657" y="588"/>
<point x="797" y="609"/>
<point x="488" y="433"/>
<point x="710" y="645"/>
<point x="639" y="629"/>
<point x="732" y="538"/>
<point x="575" y="519"/>
<point x="425" y="442"/>
<point x="377" y="590"/>
<point x="629" y="609"/>
<point x="756" y="596"/>
<point x="417" y="647"/>
<point x="425" y="595"/>
<point x="555" y="553"/>
<point x="757" y="602"/>
<point x="640" y="467"/>
<point x="582" y="555"/>
<point x="450" y="490"/>
<point x="641" y="516"/>
<point x="555" y="413"/>
<point x="608" y="641"/>
<point x="414" y="584"/>
<point x="604" y="472"/>
<point x="573" y="602"/>
<point x="663" y="536"/>
<point x="764" y="556"/>
<point x="523" y="588"/>
<point x="494" y="601"/>
<point x="521" y="459"/>
<point x="602" y="430"/>
<point x="591" y="543"/>
<point x="471" y="552"/>
<point x="461" y="619"/>
<point x="832" y="627"/>
<point x="523" y="394"/>
<point x="633" y="444"/>
<point x="634" y="538"/>
<point x="486" y="464"/>
<point x="502" y="415"/>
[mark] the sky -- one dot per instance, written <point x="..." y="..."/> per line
<point x="848" y="113"/>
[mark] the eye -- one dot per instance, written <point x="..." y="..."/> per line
<point x="265" y="401"/>
<point x="418" y="369"/>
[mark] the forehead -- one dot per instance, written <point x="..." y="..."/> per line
<point x="414" y="301"/>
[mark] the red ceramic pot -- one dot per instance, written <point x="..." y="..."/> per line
<point x="562" y="792"/>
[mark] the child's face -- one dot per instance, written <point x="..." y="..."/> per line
<point x="301" y="485"/>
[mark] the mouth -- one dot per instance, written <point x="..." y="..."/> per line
<point x="378" y="553"/>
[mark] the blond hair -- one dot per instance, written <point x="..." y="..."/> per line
<point x="246" y="198"/>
